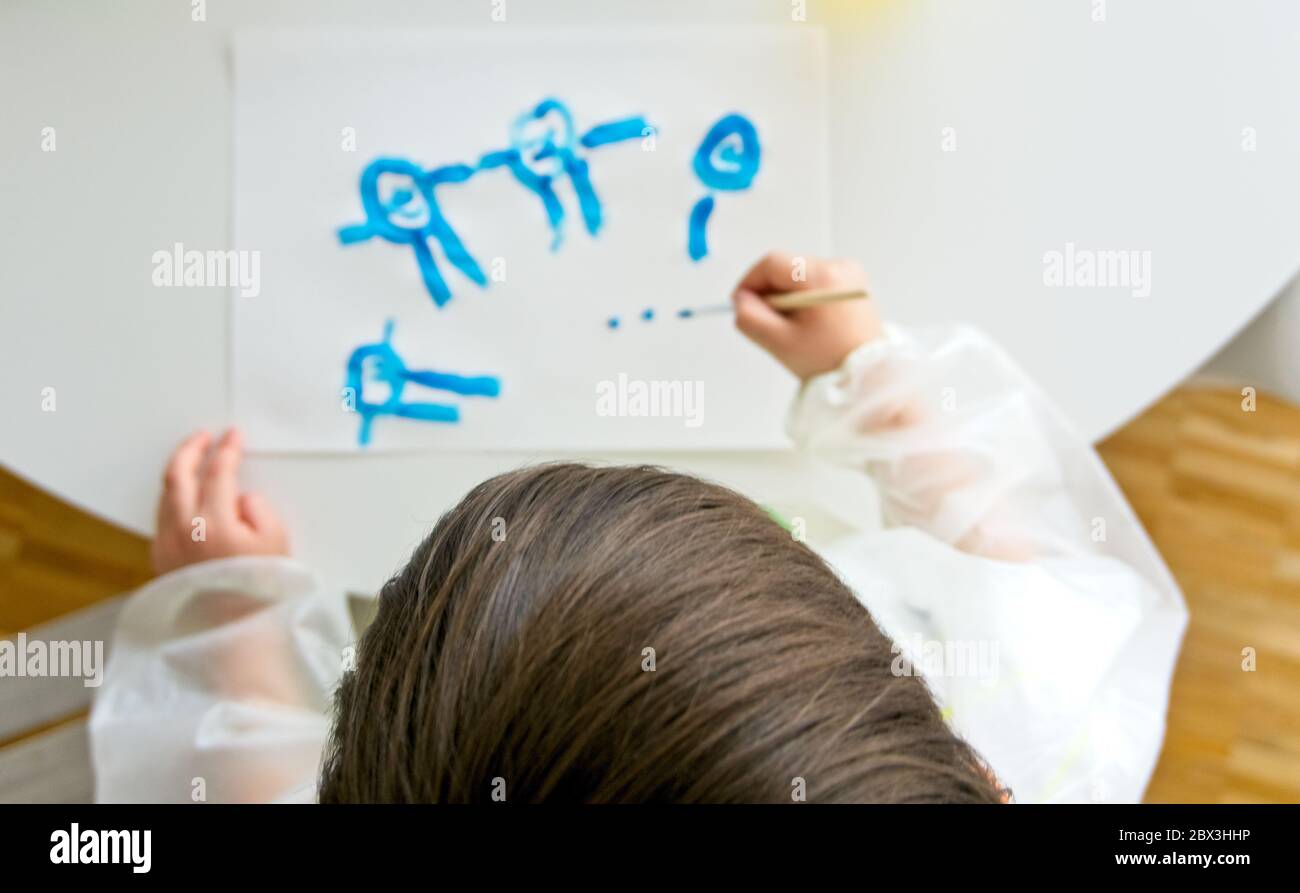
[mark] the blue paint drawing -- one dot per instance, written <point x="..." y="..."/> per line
<point x="647" y="315"/>
<point x="383" y="365"/>
<point x="726" y="160"/>
<point x="543" y="147"/>
<point x="697" y="243"/>
<point x="411" y="216"/>
<point x="650" y="313"/>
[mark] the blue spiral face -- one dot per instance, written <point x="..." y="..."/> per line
<point x="543" y="136"/>
<point x="376" y="363"/>
<point x="396" y="201"/>
<point x="729" y="155"/>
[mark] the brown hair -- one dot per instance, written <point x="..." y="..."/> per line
<point x="511" y="656"/>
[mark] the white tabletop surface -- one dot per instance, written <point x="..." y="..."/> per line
<point x="1129" y="133"/>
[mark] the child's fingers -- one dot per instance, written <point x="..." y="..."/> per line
<point x="760" y="322"/>
<point x="257" y="513"/>
<point x="774" y="272"/>
<point x="180" y="497"/>
<point x="835" y="273"/>
<point x="220" y="483"/>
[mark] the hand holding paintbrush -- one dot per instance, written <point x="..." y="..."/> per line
<point x="808" y="322"/>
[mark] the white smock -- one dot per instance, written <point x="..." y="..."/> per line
<point x="1000" y="556"/>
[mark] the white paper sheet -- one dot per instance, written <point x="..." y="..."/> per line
<point x="446" y="98"/>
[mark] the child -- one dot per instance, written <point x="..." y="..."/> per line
<point x="628" y="634"/>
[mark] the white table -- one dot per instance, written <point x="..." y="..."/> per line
<point x="1122" y="134"/>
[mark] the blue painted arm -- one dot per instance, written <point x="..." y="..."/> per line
<point x="467" y="385"/>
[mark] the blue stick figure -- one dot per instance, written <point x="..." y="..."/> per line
<point x="537" y="157"/>
<point x="384" y="365"/>
<point x="727" y="159"/>
<point x="411" y="216"/>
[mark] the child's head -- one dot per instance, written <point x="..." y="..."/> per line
<point x="628" y="634"/>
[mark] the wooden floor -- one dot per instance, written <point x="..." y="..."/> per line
<point x="55" y="559"/>
<point x="1217" y="487"/>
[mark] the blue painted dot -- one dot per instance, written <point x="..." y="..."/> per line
<point x="648" y="314"/>
<point x="685" y="313"/>
<point x="613" y="322"/>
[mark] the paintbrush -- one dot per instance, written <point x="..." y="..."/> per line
<point x="786" y="301"/>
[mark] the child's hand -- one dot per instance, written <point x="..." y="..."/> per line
<point x="202" y="515"/>
<point x="813" y="340"/>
